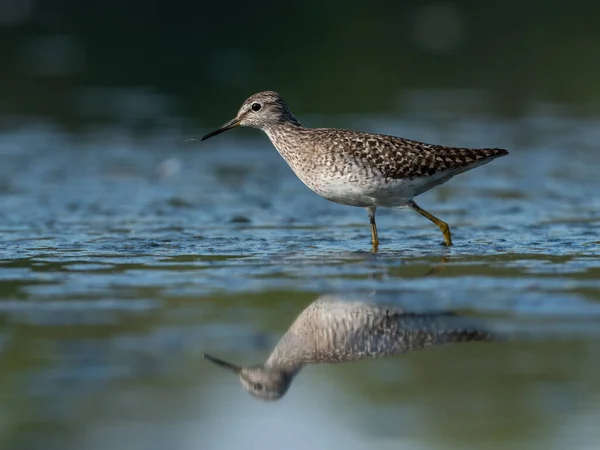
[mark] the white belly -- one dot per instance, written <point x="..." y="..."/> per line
<point x="373" y="192"/>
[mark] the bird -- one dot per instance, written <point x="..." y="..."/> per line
<point x="338" y="328"/>
<point x="358" y="169"/>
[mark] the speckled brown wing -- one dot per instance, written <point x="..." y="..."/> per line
<point x="397" y="158"/>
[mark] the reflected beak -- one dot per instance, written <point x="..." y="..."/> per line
<point x="228" y="126"/>
<point x="222" y="363"/>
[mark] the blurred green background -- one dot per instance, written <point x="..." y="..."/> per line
<point x="144" y="62"/>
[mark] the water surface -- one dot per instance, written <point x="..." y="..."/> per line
<point x="124" y="259"/>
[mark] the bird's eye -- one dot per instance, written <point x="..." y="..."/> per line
<point x="258" y="386"/>
<point x="256" y="107"/>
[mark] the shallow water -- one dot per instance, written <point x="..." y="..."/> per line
<point x="124" y="259"/>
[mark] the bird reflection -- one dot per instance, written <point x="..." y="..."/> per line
<point x="336" y="329"/>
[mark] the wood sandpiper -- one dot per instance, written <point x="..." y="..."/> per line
<point x="335" y="329"/>
<point x="358" y="169"/>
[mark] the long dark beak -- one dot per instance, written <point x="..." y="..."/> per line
<point x="228" y="126"/>
<point x="223" y="364"/>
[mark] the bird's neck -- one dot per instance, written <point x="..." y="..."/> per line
<point x="290" y="364"/>
<point x="290" y="355"/>
<point x="286" y="137"/>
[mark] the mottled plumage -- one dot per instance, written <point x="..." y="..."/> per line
<point x="358" y="169"/>
<point x="333" y="329"/>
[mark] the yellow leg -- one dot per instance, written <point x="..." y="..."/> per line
<point x="374" y="237"/>
<point x="440" y="223"/>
